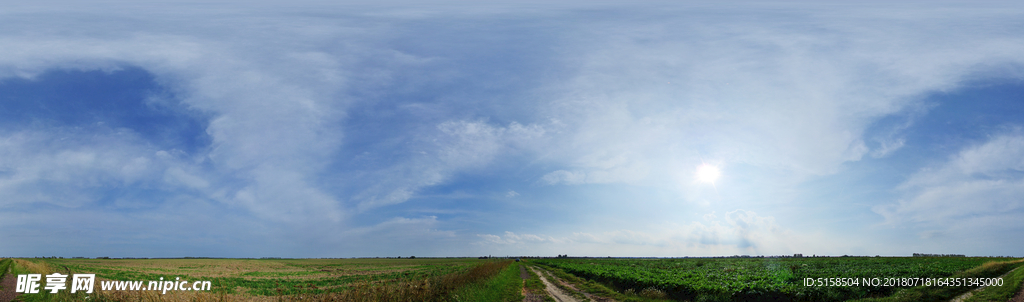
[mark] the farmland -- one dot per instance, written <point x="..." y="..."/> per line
<point x="267" y="279"/>
<point x="775" y="279"/>
<point x="265" y="276"/>
<point x="598" y="279"/>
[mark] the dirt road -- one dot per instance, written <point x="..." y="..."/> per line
<point x="554" y="291"/>
<point x="529" y="296"/>
<point x="7" y="286"/>
<point x="1018" y="298"/>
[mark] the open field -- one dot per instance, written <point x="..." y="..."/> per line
<point x="779" y="279"/>
<point x="269" y="276"/>
<point x="293" y="279"/>
<point x="574" y="279"/>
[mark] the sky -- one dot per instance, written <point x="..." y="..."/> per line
<point x="467" y="128"/>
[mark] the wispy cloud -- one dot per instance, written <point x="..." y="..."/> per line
<point x="739" y="232"/>
<point x="978" y="183"/>
<point x="454" y="146"/>
<point x="329" y="126"/>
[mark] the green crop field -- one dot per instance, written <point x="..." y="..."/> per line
<point x="775" y="279"/>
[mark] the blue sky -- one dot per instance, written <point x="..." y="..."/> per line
<point x="315" y="129"/>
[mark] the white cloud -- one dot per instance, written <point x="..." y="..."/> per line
<point x="994" y="158"/>
<point x="743" y="232"/>
<point x="59" y="168"/>
<point x="398" y="226"/>
<point x="423" y="236"/>
<point x="636" y="100"/>
<point x="648" y="98"/>
<point x="564" y="177"/>
<point x="278" y="194"/>
<point x="977" y="184"/>
<point x="179" y="176"/>
<point x="454" y="146"/>
<point x="275" y="109"/>
<point x="519" y="239"/>
<point x="887" y="146"/>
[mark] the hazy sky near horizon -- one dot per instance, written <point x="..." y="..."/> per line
<point x="321" y="129"/>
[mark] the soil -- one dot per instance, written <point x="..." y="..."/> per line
<point x="529" y="296"/>
<point x="963" y="297"/>
<point x="523" y="273"/>
<point x="554" y="291"/>
<point x="7" y="286"/>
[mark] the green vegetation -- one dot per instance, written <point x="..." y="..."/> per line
<point x="533" y="285"/>
<point x="506" y="287"/>
<point x="1011" y="284"/>
<point x="439" y="288"/>
<point x="21" y="266"/>
<point x="575" y="294"/>
<point x="4" y="265"/>
<point x="268" y="277"/>
<point x="287" y="280"/>
<point x="596" y="288"/>
<point x="449" y="280"/>
<point x="944" y="293"/>
<point x="775" y="279"/>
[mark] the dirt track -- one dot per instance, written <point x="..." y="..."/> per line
<point x="7" y="285"/>
<point x="528" y="295"/>
<point x="554" y="291"/>
<point x="1019" y="297"/>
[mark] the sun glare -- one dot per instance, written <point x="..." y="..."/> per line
<point x="707" y="173"/>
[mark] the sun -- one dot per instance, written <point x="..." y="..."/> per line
<point x="707" y="173"/>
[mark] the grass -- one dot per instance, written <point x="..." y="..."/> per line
<point x="756" y="278"/>
<point x="271" y="277"/>
<point x="1011" y="284"/>
<point x="594" y="288"/>
<point x="574" y="293"/>
<point x="505" y="287"/>
<point x="945" y="293"/>
<point x="22" y="266"/>
<point x="288" y="280"/>
<point x="439" y="288"/>
<point x="4" y="264"/>
<point x="932" y="293"/>
<point x="533" y="285"/>
<point x="439" y="280"/>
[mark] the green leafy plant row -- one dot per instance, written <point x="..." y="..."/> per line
<point x="756" y="279"/>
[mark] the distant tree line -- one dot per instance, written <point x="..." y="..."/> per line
<point x="938" y="255"/>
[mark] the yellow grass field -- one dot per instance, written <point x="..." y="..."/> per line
<point x="269" y="279"/>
